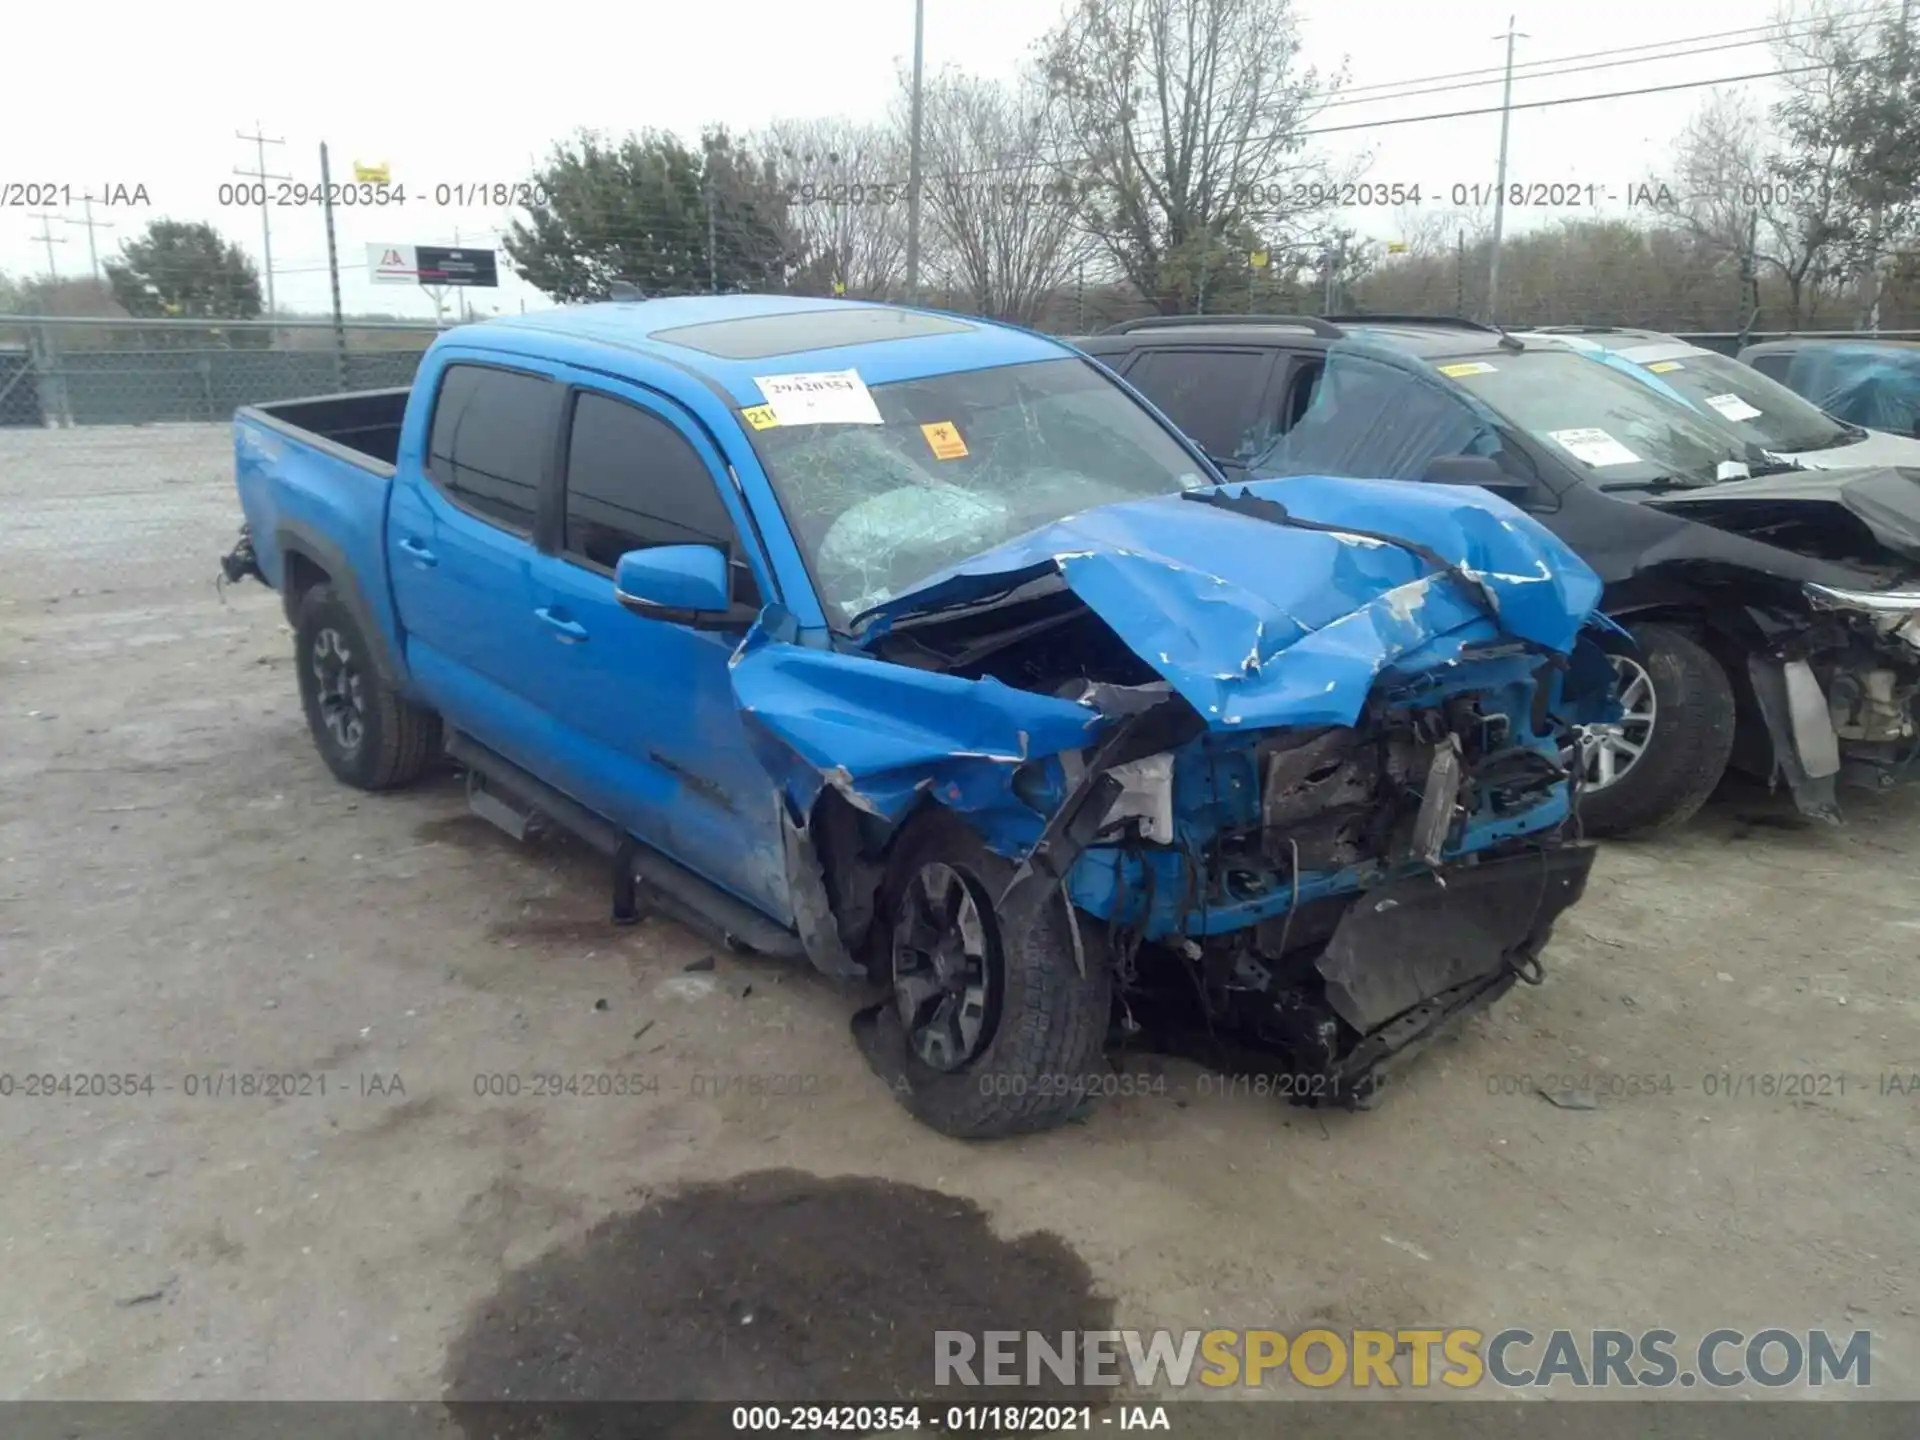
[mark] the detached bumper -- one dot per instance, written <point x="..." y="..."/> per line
<point x="1412" y="957"/>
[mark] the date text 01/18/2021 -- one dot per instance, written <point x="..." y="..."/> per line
<point x="998" y="1420"/>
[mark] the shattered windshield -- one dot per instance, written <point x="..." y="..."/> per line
<point x="959" y="463"/>
<point x="1617" y="429"/>
<point x="1763" y="411"/>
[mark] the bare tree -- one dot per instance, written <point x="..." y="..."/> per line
<point x="1003" y="235"/>
<point x="1752" y="203"/>
<point x="1179" y="121"/>
<point x="1852" y="129"/>
<point x="846" y="203"/>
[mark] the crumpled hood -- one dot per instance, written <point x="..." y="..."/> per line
<point x="1885" y="500"/>
<point x="1260" y="624"/>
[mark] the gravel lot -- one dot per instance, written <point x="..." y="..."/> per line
<point x="186" y="894"/>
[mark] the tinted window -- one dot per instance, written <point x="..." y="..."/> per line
<point x="1213" y="395"/>
<point x="1774" y="366"/>
<point x="492" y="434"/>
<point x="1360" y="417"/>
<point x="633" y="481"/>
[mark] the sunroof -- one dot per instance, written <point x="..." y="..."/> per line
<point x="761" y="336"/>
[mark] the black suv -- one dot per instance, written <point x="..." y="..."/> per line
<point x="1777" y="610"/>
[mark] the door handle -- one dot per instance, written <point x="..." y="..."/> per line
<point x="567" y="632"/>
<point x="420" y="554"/>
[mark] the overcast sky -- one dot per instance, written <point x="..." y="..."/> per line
<point x="447" y="96"/>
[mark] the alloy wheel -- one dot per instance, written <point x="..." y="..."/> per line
<point x="1609" y="751"/>
<point x="942" y="967"/>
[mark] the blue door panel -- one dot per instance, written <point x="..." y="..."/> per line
<point x="653" y="706"/>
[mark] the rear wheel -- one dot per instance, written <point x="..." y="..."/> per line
<point x="994" y="1027"/>
<point x="369" y="735"/>
<point x="1655" y="766"/>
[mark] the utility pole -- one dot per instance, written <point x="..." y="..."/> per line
<point x="333" y="272"/>
<point x="1500" y="186"/>
<point x="260" y="143"/>
<point x="913" y="155"/>
<point x="46" y="238"/>
<point x="713" y="253"/>
<point x="93" y="251"/>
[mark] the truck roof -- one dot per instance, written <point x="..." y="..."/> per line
<point x="730" y="339"/>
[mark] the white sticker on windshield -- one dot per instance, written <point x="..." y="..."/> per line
<point x="1733" y="407"/>
<point x="824" y="397"/>
<point x="1595" y="447"/>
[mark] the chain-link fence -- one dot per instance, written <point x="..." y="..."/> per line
<point x="116" y="447"/>
<point x="116" y="451"/>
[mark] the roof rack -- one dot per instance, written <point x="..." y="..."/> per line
<point x="1387" y="319"/>
<point x="1574" y="329"/>
<point x="1313" y="323"/>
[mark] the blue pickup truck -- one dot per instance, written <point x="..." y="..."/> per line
<point x="924" y="649"/>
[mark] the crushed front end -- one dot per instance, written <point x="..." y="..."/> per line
<point x="1839" y="694"/>
<point x="1337" y="895"/>
<point x="1281" y="762"/>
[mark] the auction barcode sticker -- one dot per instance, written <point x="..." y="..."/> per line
<point x="1595" y="447"/>
<point x="822" y="397"/>
<point x="1733" y="407"/>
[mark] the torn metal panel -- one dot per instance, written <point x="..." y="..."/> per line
<point x="884" y="735"/>
<point x="813" y="915"/>
<point x="1813" y="794"/>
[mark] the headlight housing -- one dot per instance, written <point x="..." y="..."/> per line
<point x="1892" y="612"/>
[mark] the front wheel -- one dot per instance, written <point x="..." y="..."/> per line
<point x="994" y="1027"/>
<point x="1655" y="766"/>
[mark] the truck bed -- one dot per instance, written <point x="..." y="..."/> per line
<point x="364" y="423"/>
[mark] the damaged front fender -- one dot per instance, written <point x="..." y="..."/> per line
<point x="885" y="735"/>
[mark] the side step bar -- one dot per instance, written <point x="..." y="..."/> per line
<point x="506" y="795"/>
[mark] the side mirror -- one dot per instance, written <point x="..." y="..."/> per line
<point x="681" y="584"/>
<point x="1481" y="470"/>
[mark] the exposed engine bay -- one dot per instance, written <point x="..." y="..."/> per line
<point x="1821" y="632"/>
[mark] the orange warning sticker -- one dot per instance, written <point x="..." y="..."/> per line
<point x="943" y="438"/>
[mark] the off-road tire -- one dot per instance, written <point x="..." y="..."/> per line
<point x="1041" y="1064"/>
<point x="1686" y="752"/>
<point x="398" y="740"/>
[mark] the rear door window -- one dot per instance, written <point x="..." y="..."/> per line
<point x="1218" y="397"/>
<point x="1774" y="365"/>
<point x="492" y="440"/>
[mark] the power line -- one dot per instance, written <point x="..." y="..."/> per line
<point x="1851" y="21"/>
<point x="1549" y="104"/>
<point x="1760" y="34"/>
<point x="1348" y="97"/>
